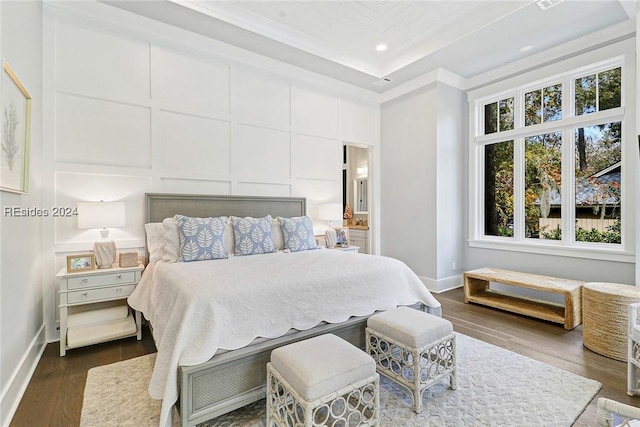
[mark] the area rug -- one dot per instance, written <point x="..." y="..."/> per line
<point x="496" y="387"/>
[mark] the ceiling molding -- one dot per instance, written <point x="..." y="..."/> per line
<point x="439" y="75"/>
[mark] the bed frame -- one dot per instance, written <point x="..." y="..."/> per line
<point x="232" y="379"/>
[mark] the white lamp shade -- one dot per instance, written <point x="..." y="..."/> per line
<point x="100" y="214"/>
<point x="330" y="212"/>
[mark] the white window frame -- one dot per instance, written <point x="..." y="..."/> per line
<point x="623" y="252"/>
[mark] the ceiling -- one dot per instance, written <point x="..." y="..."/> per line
<point x="338" y="38"/>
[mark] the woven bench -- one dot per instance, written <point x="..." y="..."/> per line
<point x="321" y="381"/>
<point x="413" y="349"/>
<point x="477" y="290"/>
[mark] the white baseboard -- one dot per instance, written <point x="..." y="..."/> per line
<point x="17" y="384"/>
<point x="442" y="285"/>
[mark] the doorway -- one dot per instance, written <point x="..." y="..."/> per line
<point x="356" y="191"/>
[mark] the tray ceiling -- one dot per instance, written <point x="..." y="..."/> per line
<point x="339" y="38"/>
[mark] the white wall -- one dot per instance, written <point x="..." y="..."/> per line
<point x="423" y="142"/>
<point x="451" y="178"/>
<point x="408" y="193"/>
<point x="637" y="163"/>
<point x="21" y="254"/>
<point x="158" y="109"/>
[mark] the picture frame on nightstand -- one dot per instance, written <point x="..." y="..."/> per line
<point x="342" y="237"/>
<point x="80" y="262"/>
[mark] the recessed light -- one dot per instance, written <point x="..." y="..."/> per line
<point x="526" y="48"/>
<point x="546" y="4"/>
<point x="381" y="47"/>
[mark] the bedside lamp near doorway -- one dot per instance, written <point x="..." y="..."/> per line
<point x="330" y="212"/>
<point x="102" y="215"/>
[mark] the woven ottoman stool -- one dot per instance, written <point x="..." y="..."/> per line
<point x="412" y="348"/>
<point x="322" y="381"/>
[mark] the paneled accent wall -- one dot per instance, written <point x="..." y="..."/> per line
<point x="129" y="113"/>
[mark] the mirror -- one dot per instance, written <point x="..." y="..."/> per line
<point x="360" y="191"/>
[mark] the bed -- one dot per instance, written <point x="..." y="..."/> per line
<point x="224" y="368"/>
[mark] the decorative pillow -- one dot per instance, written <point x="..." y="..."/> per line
<point x="155" y="245"/>
<point x="201" y="238"/>
<point x="298" y="233"/>
<point x="171" y="240"/>
<point x="253" y="235"/>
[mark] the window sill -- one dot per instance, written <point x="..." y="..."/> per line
<point x="597" y="253"/>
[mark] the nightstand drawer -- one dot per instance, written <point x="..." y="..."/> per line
<point x="99" y="294"/>
<point x="100" y="280"/>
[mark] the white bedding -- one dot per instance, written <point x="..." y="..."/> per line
<point x="199" y="307"/>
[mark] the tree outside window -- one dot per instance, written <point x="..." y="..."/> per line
<point x="597" y="166"/>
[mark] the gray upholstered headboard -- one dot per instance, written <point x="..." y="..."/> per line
<point x="160" y="206"/>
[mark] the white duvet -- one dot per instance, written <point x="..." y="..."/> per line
<point x="199" y="307"/>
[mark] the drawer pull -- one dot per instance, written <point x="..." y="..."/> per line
<point x="119" y="290"/>
<point x="85" y="281"/>
<point x="85" y="294"/>
<point x="119" y="277"/>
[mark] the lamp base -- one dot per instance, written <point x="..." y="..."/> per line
<point x="330" y="238"/>
<point x="105" y="253"/>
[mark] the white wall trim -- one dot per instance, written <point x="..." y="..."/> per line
<point x="19" y="380"/>
<point x="438" y="75"/>
<point x="443" y="285"/>
<point x="108" y="18"/>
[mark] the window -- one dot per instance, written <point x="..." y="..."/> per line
<point x="549" y="162"/>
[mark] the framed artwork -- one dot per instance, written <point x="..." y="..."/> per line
<point x="82" y="262"/>
<point x="16" y="125"/>
<point x="342" y="237"/>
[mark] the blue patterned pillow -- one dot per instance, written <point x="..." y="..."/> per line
<point x="253" y="235"/>
<point x="201" y="238"/>
<point x="298" y="233"/>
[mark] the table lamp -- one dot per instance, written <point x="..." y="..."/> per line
<point x="102" y="215"/>
<point x="330" y="212"/>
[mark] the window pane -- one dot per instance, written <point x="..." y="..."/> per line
<point x="609" y="89"/>
<point x="533" y="108"/>
<point x="552" y="103"/>
<point x="491" y="118"/>
<point x="598" y="190"/>
<point x="498" y="189"/>
<point x="586" y="95"/>
<point x="543" y="177"/>
<point x="506" y="114"/>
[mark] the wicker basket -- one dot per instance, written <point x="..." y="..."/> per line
<point x="605" y="317"/>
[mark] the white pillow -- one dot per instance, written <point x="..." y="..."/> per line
<point x="155" y="241"/>
<point x="229" y="241"/>
<point x="171" y="239"/>
<point x="277" y="236"/>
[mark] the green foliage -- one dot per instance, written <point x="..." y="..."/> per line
<point x="613" y="234"/>
<point x="555" y="234"/>
<point x="505" y="232"/>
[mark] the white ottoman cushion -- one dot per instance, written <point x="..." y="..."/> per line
<point x="635" y="332"/>
<point x="411" y="327"/>
<point x="321" y="365"/>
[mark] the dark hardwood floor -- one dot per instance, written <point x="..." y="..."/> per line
<point x="54" y="395"/>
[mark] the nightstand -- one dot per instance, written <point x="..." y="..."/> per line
<point x="355" y="249"/>
<point x="92" y="309"/>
